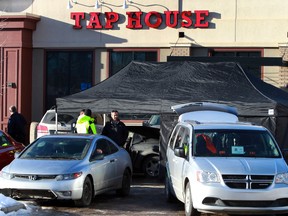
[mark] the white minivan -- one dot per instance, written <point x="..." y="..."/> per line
<point x="216" y="164"/>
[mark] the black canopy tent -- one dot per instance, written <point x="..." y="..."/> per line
<point x="152" y="88"/>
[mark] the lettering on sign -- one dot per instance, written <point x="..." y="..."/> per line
<point x="139" y="20"/>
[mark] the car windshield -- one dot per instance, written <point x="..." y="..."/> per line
<point x="3" y="140"/>
<point x="62" y="148"/>
<point x="234" y="143"/>
<point x="154" y="120"/>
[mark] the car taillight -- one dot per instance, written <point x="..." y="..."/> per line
<point x="42" y="129"/>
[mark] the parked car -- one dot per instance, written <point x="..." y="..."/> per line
<point x="144" y="153"/>
<point x="66" y="124"/>
<point x="68" y="167"/>
<point x="8" y="147"/>
<point x="217" y="164"/>
<point x="143" y="147"/>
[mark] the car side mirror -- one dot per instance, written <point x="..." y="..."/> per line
<point x="145" y="123"/>
<point x="179" y="152"/>
<point x="16" y="154"/>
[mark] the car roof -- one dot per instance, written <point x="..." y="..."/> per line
<point x="224" y="125"/>
<point x="72" y="135"/>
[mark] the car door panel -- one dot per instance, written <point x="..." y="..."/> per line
<point x="100" y="172"/>
<point x="109" y="163"/>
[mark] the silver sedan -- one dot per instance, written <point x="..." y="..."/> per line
<point x="69" y="167"/>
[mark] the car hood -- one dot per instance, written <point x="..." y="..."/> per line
<point x="260" y="166"/>
<point x="26" y="166"/>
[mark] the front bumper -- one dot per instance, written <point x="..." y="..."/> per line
<point x="42" y="189"/>
<point x="215" y="197"/>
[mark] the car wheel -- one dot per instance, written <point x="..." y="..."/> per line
<point x="87" y="194"/>
<point x="151" y="166"/>
<point x="33" y="131"/>
<point x="126" y="184"/>
<point x="168" y="194"/>
<point x="189" y="209"/>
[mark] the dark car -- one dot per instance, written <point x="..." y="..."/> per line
<point x="144" y="152"/>
<point x="8" y="147"/>
<point x="143" y="147"/>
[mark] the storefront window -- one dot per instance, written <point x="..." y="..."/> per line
<point x="67" y="72"/>
<point x="253" y="69"/>
<point x="120" y="59"/>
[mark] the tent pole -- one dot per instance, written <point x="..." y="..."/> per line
<point x="56" y="119"/>
<point x="104" y="119"/>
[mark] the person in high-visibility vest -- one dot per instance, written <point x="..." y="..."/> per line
<point x="85" y="123"/>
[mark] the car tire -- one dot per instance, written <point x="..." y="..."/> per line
<point x="126" y="184"/>
<point x="151" y="166"/>
<point x="189" y="209"/>
<point x="87" y="194"/>
<point x="168" y="193"/>
<point x="33" y="131"/>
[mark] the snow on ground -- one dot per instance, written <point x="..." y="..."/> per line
<point x="7" y="202"/>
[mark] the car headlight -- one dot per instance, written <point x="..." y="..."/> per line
<point x="68" y="176"/>
<point x="281" y="178"/>
<point x="6" y="175"/>
<point x="207" y="177"/>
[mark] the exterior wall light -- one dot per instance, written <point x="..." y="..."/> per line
<point x="69" y="4"/>
<point x="125" y="5"/>
<point x="97" y="5"/>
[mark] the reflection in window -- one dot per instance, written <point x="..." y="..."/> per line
<point x="253" y="69"/>
<point x="235" y="143"/>
<point x="4" y="141"/>
<point x="120" y="59"/>
<point x="67" y="72"/>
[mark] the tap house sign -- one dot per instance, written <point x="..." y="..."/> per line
<point x="139" y="20"/>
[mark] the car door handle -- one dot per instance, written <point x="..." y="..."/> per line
<point x="112" y="160"/>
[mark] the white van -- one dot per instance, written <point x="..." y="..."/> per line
<point x="217" y="164"/>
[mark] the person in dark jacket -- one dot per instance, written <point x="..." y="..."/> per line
<point x="116" y="129"/>
<point x="16" y="125"/>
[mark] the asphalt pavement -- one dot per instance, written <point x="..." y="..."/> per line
<point x="146" y="198"/>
